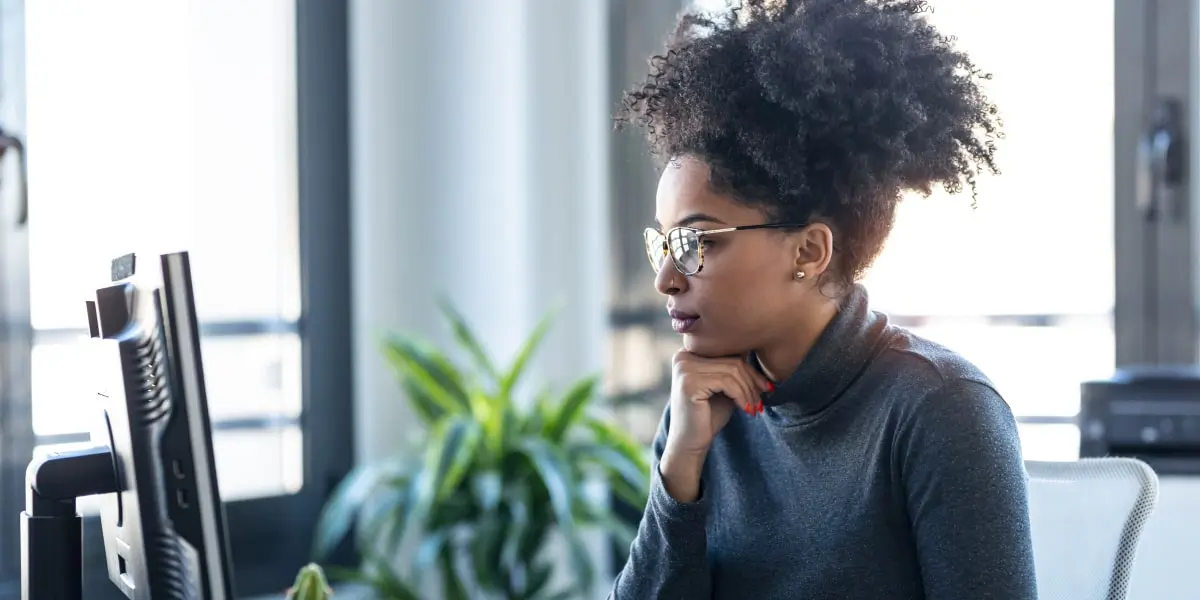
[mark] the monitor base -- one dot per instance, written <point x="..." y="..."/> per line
<point x="51" y="528"/>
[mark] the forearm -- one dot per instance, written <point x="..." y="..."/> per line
<point x="681" y="475"/>
<point x="669" y="557"/>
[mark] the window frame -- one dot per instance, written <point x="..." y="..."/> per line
<point x="270" y="537"/>
<point x="16" y="333"/>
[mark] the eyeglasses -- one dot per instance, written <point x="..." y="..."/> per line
<point x="685" y="245"/>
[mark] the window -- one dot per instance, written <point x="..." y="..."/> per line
<point x="1023" y="284"/>
<point x="177" y="126"/>
<point x="217" y="128"/>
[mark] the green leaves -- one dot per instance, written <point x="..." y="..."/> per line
<point x="570" y="409"/>
<point x="508" y="382"/>
<point x="495" y="477"/>
<point x="342" y="508"/>
<point x="457" y="442"/>
<point x="440" y="389"/>
<point x="608" y="435"/>
<point x="466" y="338"/>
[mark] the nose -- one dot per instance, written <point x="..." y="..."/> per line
<point x="669" y="281"/>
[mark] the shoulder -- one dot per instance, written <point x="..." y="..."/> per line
<point x="941" y="397"/>
<point x="928" y="363"/>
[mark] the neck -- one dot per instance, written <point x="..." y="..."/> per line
<point x="780" y="358"/>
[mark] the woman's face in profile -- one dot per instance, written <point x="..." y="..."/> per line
<point x="747" y="279"/>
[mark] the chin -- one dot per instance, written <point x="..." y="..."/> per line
<point x="710" y="348"/>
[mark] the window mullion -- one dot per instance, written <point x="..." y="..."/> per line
<point x="1134" y="311"/>
<point x="1175" y="264"/>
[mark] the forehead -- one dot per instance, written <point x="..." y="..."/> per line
<point x="684" y="192"/>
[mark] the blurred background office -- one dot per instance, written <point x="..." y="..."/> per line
<point x="336" y="166"/>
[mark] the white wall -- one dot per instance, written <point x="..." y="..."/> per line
<point x="480" y="133"/>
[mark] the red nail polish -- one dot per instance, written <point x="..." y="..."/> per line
<point x="761" y="408"/>
<point x="770" y="387"/>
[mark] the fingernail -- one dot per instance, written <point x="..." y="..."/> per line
<point x="770" y="387"/>
<point x="748" y="409"/>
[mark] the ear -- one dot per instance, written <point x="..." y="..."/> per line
<point x="814" y="250"/>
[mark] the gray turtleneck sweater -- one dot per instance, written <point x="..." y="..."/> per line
<point x="885" y="467"/>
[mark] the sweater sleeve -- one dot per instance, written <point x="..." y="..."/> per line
<point x="967" y="495"/>
<point x="669" y="556"/>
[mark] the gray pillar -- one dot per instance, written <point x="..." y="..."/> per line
<point x="480" y="147"/>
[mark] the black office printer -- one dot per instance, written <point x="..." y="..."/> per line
<point x="1150" y="413"/>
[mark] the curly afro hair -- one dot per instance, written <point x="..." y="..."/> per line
<point x="820" y="110"/>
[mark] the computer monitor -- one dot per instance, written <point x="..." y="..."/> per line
<point x="161" y="513"/>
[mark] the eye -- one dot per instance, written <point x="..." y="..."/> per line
<point x="707" y="242"/>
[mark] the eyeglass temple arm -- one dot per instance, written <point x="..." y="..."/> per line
<point x="704" y="232"/>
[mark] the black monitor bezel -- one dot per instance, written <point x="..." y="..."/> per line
<point x="171" y="502"/>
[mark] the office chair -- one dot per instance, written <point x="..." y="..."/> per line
<point x="1087" y="516"/>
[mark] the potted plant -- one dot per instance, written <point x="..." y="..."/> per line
<point x="495" y="479"/>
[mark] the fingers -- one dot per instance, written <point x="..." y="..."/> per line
<point x="757" y="379"/>
<point x="731" y="377"/>
<point x="707" y="386"/>
<point x="739" y="391"/>
<point x="751" y="391"/>
<point x="760" y="381"/>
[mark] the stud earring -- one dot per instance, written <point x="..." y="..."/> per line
<point x="799" y="275"/>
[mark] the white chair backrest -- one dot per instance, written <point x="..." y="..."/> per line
<point x="1086" y="517"/>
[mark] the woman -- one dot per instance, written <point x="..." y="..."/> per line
<point x="810" y="449"/>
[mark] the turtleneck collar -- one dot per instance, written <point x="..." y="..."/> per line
<point x="841" y="352"/>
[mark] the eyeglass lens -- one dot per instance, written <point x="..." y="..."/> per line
<point x="682" y="244"/>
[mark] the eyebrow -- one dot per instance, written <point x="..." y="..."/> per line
<point x="693" y="219"/>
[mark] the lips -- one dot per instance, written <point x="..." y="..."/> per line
<point x="683" y="322"/>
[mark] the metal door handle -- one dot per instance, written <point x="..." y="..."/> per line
<point x="14" y="143"/>
<point x="1161" y="161"/>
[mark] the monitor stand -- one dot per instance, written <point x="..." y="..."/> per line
<point x="51" y="528"/>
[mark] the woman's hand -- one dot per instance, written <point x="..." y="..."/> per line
<point x="704" y="394"/>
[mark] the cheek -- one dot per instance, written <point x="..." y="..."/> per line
<point x="741" y="298"/>
<point x="739" y="311"/>
<point x="741" y="287"/>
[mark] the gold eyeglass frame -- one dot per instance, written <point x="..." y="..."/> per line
<point x="700" y="235"/>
